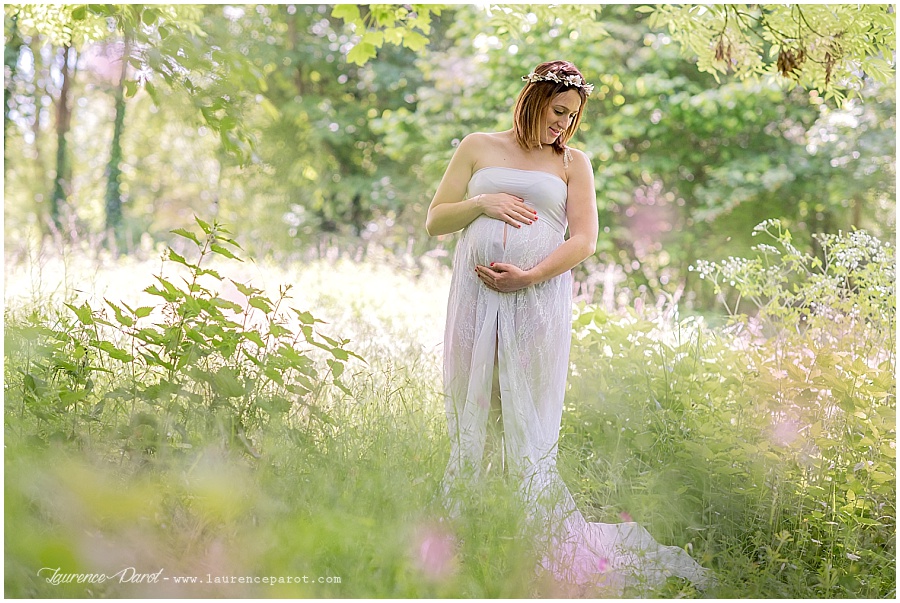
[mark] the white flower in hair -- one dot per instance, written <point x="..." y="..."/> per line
<point x="569" y="80"/>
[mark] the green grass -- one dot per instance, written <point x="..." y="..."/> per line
<point x="669" y="423"/>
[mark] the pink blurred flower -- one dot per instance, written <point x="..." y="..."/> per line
<point x="624" y="516"/>
<point x="786" y="432"/>
<point x="434" y="551"/>
<point x="603" y="565"/>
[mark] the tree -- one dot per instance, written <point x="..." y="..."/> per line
<point x="63" y="174"/>
<point x="113" y="170"/>
<point x="61" y="28"/>
<point x="683" y="163"/>
<point x="11" y="51"/>
<point x="161" y="43"/>
<point x="831" y="48"/>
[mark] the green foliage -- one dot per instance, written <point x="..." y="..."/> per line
<point x="195" y="365"/>
<point x="849" y="291"/>
<point x="315" y="155"/>
<point x="827" y="48"/>
<point x="771" y="443"/>
<point x="766" y="451"/>
<point x="386" y="23"/>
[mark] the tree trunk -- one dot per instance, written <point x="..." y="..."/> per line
<point x="10" y="60"/>
<point x="857" y="210"/>
<point x="63" y="179"/>
<point x="113" y="170"/>
<point x="294" y="37"/>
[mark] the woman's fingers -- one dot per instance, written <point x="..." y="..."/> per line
<point x="487" y="276"/>
<point x="521" y="215"/>
<point x="510" y="209"/>
<point x="524" y="213"/>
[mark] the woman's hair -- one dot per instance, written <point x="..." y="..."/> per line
<point x="533" y="101"/>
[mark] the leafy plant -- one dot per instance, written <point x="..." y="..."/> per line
<point x="197" y="363"/>
<point x="768" y="445"/>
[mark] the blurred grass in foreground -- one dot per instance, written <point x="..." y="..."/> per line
<point x="708" y="437"/>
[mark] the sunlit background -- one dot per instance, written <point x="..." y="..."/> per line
<point x="731" y="383"/>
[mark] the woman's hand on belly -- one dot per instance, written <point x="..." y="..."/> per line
<point x="504" y="278"/>
<point x="505" y="207"/>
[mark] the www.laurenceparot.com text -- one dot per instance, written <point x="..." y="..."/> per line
<point x="130" y="575"/>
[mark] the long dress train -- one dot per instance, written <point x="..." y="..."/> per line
<point x="529" y="331"/>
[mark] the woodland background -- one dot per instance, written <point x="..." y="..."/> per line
<point x="191" y="190"/>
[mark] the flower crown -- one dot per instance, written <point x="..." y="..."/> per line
<point x="569" y="80"/>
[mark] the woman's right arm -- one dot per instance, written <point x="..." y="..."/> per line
<point x="450" y="211"/>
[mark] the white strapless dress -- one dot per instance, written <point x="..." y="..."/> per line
<point x="530" y="331"/>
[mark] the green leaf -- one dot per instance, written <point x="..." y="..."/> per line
<point x="186" y="234"/>
<point x="227" y="383"/>
<point x="114" y="352"/>
<point x="867" y="522"/>
<point x="254" y="337"/>
<point x="223" y="251"/>
<point x="205" y="226"/>
<point x="415" y="41"/>
<point x="178" y="259"/>
<point x="210" y="272"/>
<point x="246" y="289"/>
<point x="393" y="35"/>
<point x="305" y="317"/>
<point x="83" y="313"/>
<point x="226" y="304"/>
<point x="337" y="368"/>
<point x="143" y="312"/>
<point x="171" y="289"/>
<point x="149" y="16"/>
<point x="881" y="477"/>
<point x="276" y="330"/>
<point x="375" y="38"/>
<point x="273" y="374"/>
<point x="72" y="397"/>
<point x="260" y="303"/>
<point x="333" y="342"/>
<point x="346" y="12"/>
<point x="120" y="316"/>
<point x="361" y="53"/>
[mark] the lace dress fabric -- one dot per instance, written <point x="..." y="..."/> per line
<point x="529" y="333"/>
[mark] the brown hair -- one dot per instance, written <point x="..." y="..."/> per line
<point x="533" y="100"/>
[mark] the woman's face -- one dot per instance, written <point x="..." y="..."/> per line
<point x="559" y="114"/>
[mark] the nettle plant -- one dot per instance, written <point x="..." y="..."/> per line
<point x="195" y="364"/>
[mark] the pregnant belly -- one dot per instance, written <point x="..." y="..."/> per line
<point x="491" y="240"/>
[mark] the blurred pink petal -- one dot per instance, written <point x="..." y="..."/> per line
<point x="434" y="551"/>
<point x="625" y="516"/>
<point x="786" y="432"/>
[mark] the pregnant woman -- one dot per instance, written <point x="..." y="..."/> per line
<point x="514" y="194"/>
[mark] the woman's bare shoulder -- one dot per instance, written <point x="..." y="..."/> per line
<point x="580" y="161"/>
<point x="482" y="147"/>
<point x="482" y="139"/>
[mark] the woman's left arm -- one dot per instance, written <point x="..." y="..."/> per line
<point x="581" y="212"/>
